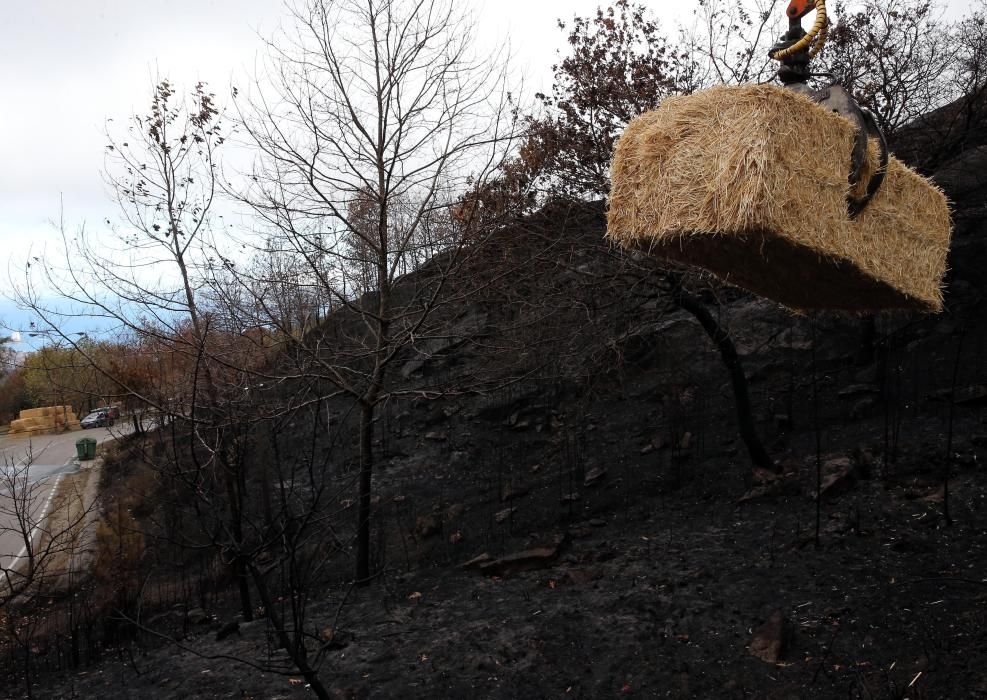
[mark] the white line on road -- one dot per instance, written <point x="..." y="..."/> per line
<point x="7" y="493"/>
<point x="41" y="519"/>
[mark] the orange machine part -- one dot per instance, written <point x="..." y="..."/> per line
<point x="800" y="8"/>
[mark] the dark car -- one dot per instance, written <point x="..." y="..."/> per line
<point x="97" y="419"/>
<point x="112" y="411"/>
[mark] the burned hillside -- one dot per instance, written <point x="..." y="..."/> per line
<point x="562" y="504"/>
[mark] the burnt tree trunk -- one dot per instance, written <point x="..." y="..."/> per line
<point x="738" y="379"/>
<point x="240" y="561"/>
<point x="293" y="643"/>
<point x="366" y="482"/>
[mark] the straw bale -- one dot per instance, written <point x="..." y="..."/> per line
<point x="45" y="420"/>
<point x="28" y="425"/>
<point x="750" y="183"/>
<point x="62" y="417"/>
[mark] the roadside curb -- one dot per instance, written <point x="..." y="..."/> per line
<point x="85" y="465"/>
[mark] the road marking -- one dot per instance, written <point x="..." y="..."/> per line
<point x="53" y="468"/>
<point x="102" y="437"/>
<point x="41" y="520"/>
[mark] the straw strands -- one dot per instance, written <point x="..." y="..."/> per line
<point x="750" y="183"/>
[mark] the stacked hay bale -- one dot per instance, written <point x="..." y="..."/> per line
<point x="44" y="421"/>
<point x="751" y="183"/>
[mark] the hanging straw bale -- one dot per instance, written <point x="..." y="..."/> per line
<point x="750" y="183"/>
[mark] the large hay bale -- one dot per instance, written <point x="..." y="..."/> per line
<point x="20" y="425"/>
<point x="45" y="420"/>
<point x="66" y="421"/>
<point x="750" y="183"/>
<point x="28" y="425"/>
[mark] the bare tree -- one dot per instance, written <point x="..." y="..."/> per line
<point x="730" y="40"/>
<point x="955" y="129"/>
<point x="206" y="330"/>
<point x="622" y="65"/>
<point x="378" y="116"/>
<point x="619" y="65"/>
<point x="970" y="38"/>
<point x="165" y="178"/>
<point x="897" y="57"/>
<point x="51" y="536"/>
<point x="163" y="171"/>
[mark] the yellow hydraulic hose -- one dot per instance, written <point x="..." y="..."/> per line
<point x="820" y="41"/>
<point x="815" y="38"/>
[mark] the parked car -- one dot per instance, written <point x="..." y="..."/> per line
<point x="113" y="411"/>
<point x="97" y="419"/>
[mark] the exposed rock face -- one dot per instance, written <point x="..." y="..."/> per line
<point x="526" y="560"/>
<point x="838" y="476"/>
<point x="468" y="326"/>
<point x="428" y="525"/>
<point x="771" y="639"/>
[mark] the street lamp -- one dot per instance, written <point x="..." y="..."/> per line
<point x="35" y="332"/>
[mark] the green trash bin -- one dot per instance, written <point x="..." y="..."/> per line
<point x="90" y="448"/>
<point x="81" y="448"/>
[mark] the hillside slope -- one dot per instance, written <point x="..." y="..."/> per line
<point x="578" y="445"/>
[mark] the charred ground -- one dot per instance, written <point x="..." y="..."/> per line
<point x="579" y="432"/>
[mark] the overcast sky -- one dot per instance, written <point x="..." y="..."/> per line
<point x="66" y="66"/>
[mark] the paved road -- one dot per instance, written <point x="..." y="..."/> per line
<point x="46" y="457"/>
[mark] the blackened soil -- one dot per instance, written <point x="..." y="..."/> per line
<point x="660" y="600"/>
<point x="673" y="556"/>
